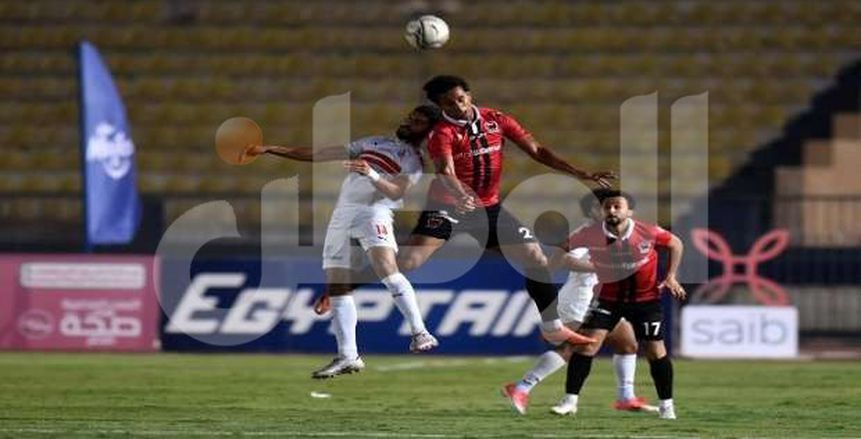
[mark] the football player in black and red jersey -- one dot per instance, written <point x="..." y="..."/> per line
<point x="623" y="253"/>
<point x="467" y="149"/>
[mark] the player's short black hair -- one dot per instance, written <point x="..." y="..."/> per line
<point x="441" y="84"/>
<point x="615" y="193"/>
<point x="432" y="112"/>
<point x="589" y="199"/>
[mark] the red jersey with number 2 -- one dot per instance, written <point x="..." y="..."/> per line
<point x="627" y="265"/>
<point x="476" y="149"/>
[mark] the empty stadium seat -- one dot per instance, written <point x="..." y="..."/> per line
<point x="561" y="67"/>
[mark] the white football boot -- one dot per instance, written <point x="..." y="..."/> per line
<point x="339" y="366"/>
<point x="423" y="342"/>
<point x="566" y="406"/>
<point x="667" y="412"/>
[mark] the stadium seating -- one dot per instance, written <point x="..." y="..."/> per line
<point x="563" y="68"/>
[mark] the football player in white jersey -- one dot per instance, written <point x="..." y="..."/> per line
<point x="575" y="298"/>
<point x="380" y="169"/>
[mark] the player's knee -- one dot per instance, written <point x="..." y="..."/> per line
<point x="536" y="258"/>
<point x="589" y="350"/>
<point x="655" y="350"/>
<point x="410" y="262"/>
<point x="565" y="351"/>
<point x="385" y="268"/>
<point x="626" y="347"/>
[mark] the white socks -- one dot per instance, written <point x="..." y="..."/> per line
<point x="666" y="404"/>
<point x="344" y="319"/>
<point x="405" y="299"/>
<point x="548" y="363"/>
<point x="570" y="399"/>
<point x="625" y="366"/>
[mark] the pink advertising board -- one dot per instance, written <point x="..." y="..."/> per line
<point x="78" y="303"/>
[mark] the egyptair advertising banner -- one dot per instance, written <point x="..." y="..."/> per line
<point x="226" y="305"/>
<point x="78" y="303"/>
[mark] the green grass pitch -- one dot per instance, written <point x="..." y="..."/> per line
<point x="172" y="395"/>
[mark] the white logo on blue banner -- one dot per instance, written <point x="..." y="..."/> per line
<point x="110" y="189"/>
<point x="112" y="148"/>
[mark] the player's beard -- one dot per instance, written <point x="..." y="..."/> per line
<point x="613" y="221"/>
<point x="404" y="133"/>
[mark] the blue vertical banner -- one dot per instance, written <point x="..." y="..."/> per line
<point x="111" y="201"/>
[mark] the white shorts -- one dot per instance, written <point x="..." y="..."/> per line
<point x="371" y="226"/>
<point x="574" y="300"/>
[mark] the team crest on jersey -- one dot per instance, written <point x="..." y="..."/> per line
<point x="491" y="126"/>
<point x="644" y="247"/>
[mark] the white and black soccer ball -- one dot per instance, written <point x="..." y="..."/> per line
<point x="427" y="32"/>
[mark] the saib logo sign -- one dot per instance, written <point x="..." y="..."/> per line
<point x="727" y="331"/>
<point x="112" y="149"/>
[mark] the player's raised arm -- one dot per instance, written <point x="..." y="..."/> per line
<point x="547" y="157"/>
<point x="302" y="154"/>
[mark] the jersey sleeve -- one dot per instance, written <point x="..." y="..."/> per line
<point x="662" y="236"/>
<point x="511" y="128"/>
<point x="439" y="144"/>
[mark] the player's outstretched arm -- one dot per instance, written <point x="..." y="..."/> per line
<point x="302" y="154"/>
<point x="676" y="248"/>
<point x="548" y="158"/>
<point x="393" y="189"/>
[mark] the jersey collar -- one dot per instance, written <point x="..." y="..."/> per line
<point x="463" y="122"/>
<point x="629" y="223"/>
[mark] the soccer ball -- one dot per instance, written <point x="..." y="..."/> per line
<point x="427" y="32"/>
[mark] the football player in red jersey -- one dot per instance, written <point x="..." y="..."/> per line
<point x="624" y="255"/>
<point x="575" y="298"/>
<point x="467" y="150"/>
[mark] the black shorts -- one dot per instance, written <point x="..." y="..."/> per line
<point x="499" y="227"/>
<point x="647" y="318"/>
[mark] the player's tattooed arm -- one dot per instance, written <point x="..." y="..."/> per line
<point x="676" y="249"/>
<point x="302" y="154"/>
<point x="549" y="158"/>
<point x="445" y="170"/>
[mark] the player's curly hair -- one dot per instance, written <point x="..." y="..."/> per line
<point x="441" y="84"/>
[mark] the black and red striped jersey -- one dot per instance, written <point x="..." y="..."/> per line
<point x="476" y="148"/>
<point x="627" y="265"/>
